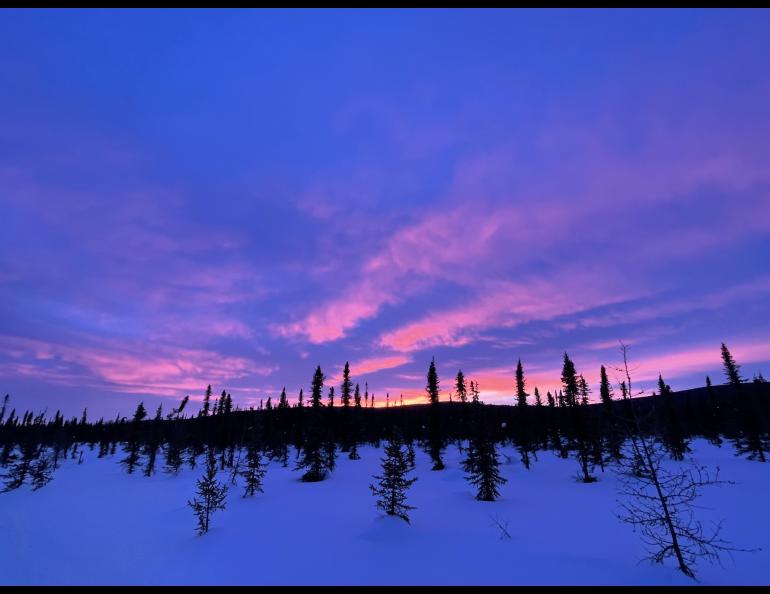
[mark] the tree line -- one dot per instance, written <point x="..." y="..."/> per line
<point x="623" y="430"/>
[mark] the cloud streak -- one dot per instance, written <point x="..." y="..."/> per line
<point x="406" y="197"/>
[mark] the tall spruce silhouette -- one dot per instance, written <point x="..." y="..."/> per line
<point x="347" y="386"/>
<point x="432" y="387"/>
<point x="605" y="388"/>
<point x="314" y="460"/>
<point x="663" y="388"/>
<point x="550" y="399"/>
<point x="204" y="412"/>
<point x="461" y="389"/>
<point x="283" y="401"/>
<point x="583" y="390"/>
<point x="732" y="369"/>
<point x="317" y="388"/>
<point x="753" y="438"/>
<point x="435" y="436"/>
<point x="475" y="393"/>
<point x="569" y="381"/>
<point x="521" y="394"/>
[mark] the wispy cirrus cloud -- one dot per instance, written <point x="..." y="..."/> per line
<point x="334" y="319"/>
<point x="414" y="255"/>
<point x="491" y="221"/>
<point x="363" y="368"/>
<point x="506" y="305"/>
<point x="713" y="299"/>
<point x="444" y="200"/>
<point x="130" y="367"/>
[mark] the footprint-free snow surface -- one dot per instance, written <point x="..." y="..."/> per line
<point x="94" y="524"/>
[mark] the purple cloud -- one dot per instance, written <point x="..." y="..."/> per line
<point x="395" y="197"/>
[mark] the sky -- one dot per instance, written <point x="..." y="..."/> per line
<point x="234" y="197"/>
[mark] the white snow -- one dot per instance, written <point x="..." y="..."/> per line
<point x="94" y="524"/>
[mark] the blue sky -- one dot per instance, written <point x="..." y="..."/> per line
<point x="234" y="197"/>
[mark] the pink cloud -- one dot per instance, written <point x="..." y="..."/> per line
<point x="440" y="247"/>
<point x="332" y="320"/>
<point x="371" y="365"/>
<point x="495" y="214"/>
<point x="375" y="364"/>
<point x="500" y="305"/>
<point x="128" y="367"/>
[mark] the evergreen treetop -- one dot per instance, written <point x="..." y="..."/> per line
<point x="432" y="387"/>
<point x="521" y="395"/>
<point x="570" y="381"/>
<point x="317" y="388"/>
<point x="460" y="387"/>
<point x="732" y="369"/>
<point x="605" y="389"/>
<point x="347" y="386"/>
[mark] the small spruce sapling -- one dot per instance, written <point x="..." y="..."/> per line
<point x="211" y="495"/>
<point x="391" y="486"/>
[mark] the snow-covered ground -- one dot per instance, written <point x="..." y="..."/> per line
<point x="96" y="525"/>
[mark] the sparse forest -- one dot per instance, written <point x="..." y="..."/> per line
<point x="623" y="431"/>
